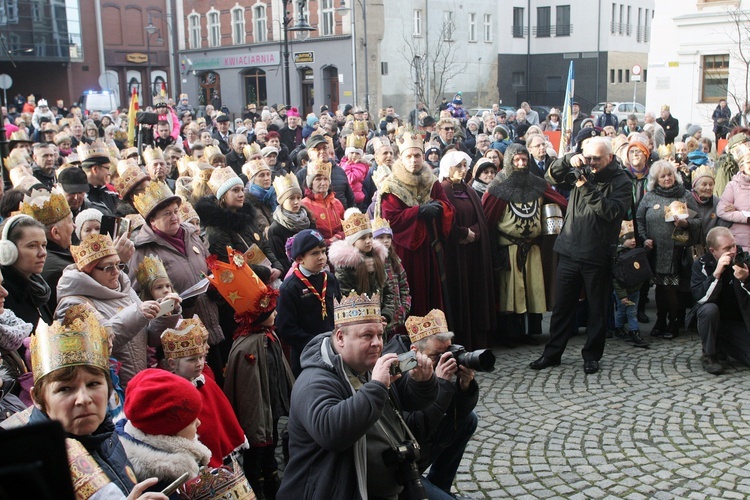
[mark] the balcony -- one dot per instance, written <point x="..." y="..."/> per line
<point x="546" y="31"/>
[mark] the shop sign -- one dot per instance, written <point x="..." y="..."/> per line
<point x="236" y="61"/>
<point x="137" y="58"/>
<point x="304" y="57"/>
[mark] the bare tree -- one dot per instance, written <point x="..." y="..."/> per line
<point x="738" y="89"/>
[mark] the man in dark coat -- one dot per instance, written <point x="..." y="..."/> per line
<point x="670" y="124"/>
<point x="236" y="157"/>
<point x="291" y="133"/>
<point x="599" y="201"/>
<point x="221" y="133"/>
<point x="721" y="116"/>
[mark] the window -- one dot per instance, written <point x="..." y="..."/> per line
<point x="627" y="26"/>
<point x="448" y="25"/>
<point x="302" y="35"/>
<point x="518" y="31"/>
<point x="639" y="29"/>
<point x="214" y="28"/>
<point x="627" y="76"/>
<point x="194" y="30"/>
<point x="261" y="23"/>
<point x="611" y="76"/>
<point x="715" y="77"/>
<point x="562" y="20"/>
<point x="620" y="23"/>
<point x="238" y="25"/>
<point x="613" y="23"/>
<point x="543" y="21"/>
<point x="519" y="79"/>
<point x="472" y="27"/>
<point x="326" y="11"/>
<point x="383" y="68"/>
<point x="619" y="76"/>
<point x="417" y="21"/>
<point x="646" y="28"/>
<point x="488" y="28"/>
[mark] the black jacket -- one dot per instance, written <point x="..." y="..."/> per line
<point x="595" y="212"/>
<point x="707" y="289"/>
<point x="58" y="258"/>
<point x="291" y="138"/>
<point x="223" y="145"/>
<point x="671" y="128"/>
<point x="21" y="299"/>
<point x="235" y="160"/>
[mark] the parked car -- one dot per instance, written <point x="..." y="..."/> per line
<point x="622" y="110"/>
<point x="542" y="111"/>
<point x="478" y="112"/>
<point x="98" y="100"/>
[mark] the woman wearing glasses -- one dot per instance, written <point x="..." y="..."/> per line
<point x="97" y="279"/>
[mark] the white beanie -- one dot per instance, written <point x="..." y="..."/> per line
<point x="84" y="216"/>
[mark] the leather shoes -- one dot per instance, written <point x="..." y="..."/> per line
<point x="590" y="366"/>
<point x="642" y="318"/>
<point x="544" y="362"/>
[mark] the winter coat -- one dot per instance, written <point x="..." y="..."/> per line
<point x="184" y="271"/>
<point x="397" y="281"/>
<point x="345" y="258"/>
<point x="339" y="185"/>
<point x="22" y="298"/>
<point x="737" y="193"/>
<point x="707" y="289"/>
<point x="58" y="258"/>
<point x="133" y="333"/>
<point x="608" y="119"/>
<point x="327" y="213"/>
<point x="264" y="212"/>
<point x="38" y="114"/>
<point x="671" y="128"/>
<point x="329" y="421"/>
<point x="277" y="236"/>
<point x="356" y="173"/>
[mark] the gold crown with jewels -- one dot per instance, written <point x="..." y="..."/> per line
<point x="155" y="194"/>
<point x="355" y="309"/>
<point x="151" y="268"/>
<point x="433" y="323"/>
<point x="48" y="207"/>
<point x="150" y="154"/>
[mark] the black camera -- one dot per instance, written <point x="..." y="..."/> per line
<point x="404" y="457"/>
<point x="680" y="158"/>
<point x="574" y="174"/>
<point x="481" y="360"/>
<point x="741" y="259"/>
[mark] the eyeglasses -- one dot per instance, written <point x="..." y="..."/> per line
<point x="589" y="159"/>
<point x="448" y="128"/>
<point x="108" y="269"/>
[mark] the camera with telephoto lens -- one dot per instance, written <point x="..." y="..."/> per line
<point x="575" y="174"/>
<point x="481" y="360"/>
<point x="404" y="457"/>
<point x="741" y="259"/>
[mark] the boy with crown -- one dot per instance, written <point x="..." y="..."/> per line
<point x="258" y="380"/>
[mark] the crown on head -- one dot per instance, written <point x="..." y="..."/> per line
<point x="45" y="206"/>
<point x="19" y="136"/>
<point x="250" y="150"/>
<point x="254" y="167"/>
<point x="240" y="286"/>
<point x="129" y="152"/>
<point x="356" y="141"/>
<point x="160" y="100"/>
<point x="359" y="126"/>
<point x="355" y="309"/>
<point x="79" y="339"/>
<point x="14" y="161"/>
<point x="129" y="174"/>
<point x="740" y="151"/>
<point x="150" y="269"/>
<point x="665" y="150"/>
<point x="419" y="328"/>
<point x="211" y="151"/>
<point x="627" y="227"/>
<point x="96" y="149"/>
<point x="379" y="142"/>
<point x="188" y="339"/>
<point x="703" y="171"/>
<point x="381" y="226"/>
<point x="156" y="193"/>
<point x="24" y="181"/>
<point x="187" y="212"/>
<point x="410" y="139"/>
<point x="225" y="482"/>
<point x="285" y="186"/>
<point x="150" y="154"/>
<point x="222" y="179"/>
<point x="355" y="224"/>
<point x="183" y="165"/>
<point x="94" y="246"/>
<point x="319" y="168"/>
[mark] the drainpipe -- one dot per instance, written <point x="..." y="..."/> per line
<point x="598" y="50"/>
<point x="99" y="36"/>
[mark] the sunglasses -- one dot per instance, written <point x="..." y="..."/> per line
<point x="448" y="128"/>
<point x="592" y="158"/>
<point x="108" y="269"/>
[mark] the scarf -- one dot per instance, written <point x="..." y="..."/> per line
<point x="697" y="157"/>
<point x="479" y="186"/>
<point x="293" y="222"/>
<point x="177" y="241"/>
<point x="676" y="191"/>
<point x="40" y="290"/>
<point x="698" y="199"/>
<point x="265" y="196"/>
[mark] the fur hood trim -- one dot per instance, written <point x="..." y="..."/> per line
<point x="164" y="457"/>
<point x="342" y="254"/>
<point x="212" y="214"/>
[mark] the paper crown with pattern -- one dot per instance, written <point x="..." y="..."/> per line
<point x="355" y="309"/>
<point x="254" y="167"/>
<point x="128" y="152"/>
<point x="96" y="149"/>
<point x="183" y="166"/>
<point x="319" y="168"/>
<point x="48" y="207"/>
<point x="94" y="246"/>
<point x="665" y="151"/>
<point x="24" y="181"/>
<point x="379" y="142"/>
<point x="381" y="226"/>
<point x="356" y="141"/>
<point x="227" y="482"/>
<point x="359" y="126"/>
<point x="151" y="268"/>
<point x="188" y="339"/>
<point x="355" y="224"/>
<point x="79" y="339"/>
<point x="222" y="180"/>
<point x="739" y="147"/>
<point x="129" y="175"/>
<point x="419" y="328"/>
<point x="156" y="193"/>
<point x="285" y="186"/>
<point x="240" y="286"/>
<point x="702" y="171"/>
<point x="19" y="136"/>
<point x="14" y="161"/>
<point x="150" y="154"/>
<point x="410" y="139"/>
<point x="627" y="228"/>
<point x="159" y="100"/>
<point x="250" y="150"/>
<point x="187" y="212"/>
<point x="210" y="151"/>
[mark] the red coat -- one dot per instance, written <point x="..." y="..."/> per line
<point x="327" y="212"/>
<point x="219" y="430"/>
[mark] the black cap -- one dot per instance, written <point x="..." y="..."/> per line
<point x="315" y="140"/>
<point x="428" y="121"/>
<point x="304" y="241"/>
<point x="73" y="180"/>
<point x="222" y="118"/>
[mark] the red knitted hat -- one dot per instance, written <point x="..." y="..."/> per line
<point x="158" y="402"/>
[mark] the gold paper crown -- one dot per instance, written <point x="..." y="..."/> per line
<point x="355" y="309"/>
<point x="78" y="340"/>
<point x="24" y="181"/>
<point x="96" y="149"/>
<point x="114" y="152"/>
<point x="94" y="246"/>
<point x="665" y="150"/>
<point x="250" y="150"/>
<point x="125" y="153"/>
<point x="356" y="141"/>
<point x="183" y="97"/>
<point x="381" y="226"/>
<point x="187" y="212"/>
<point x="379" y="142"/>
<point x="129" y="174"/>
<point x="45" y="206"/>
<point x="150" y="269"/>
<point x="210" y="151"/>
<point x="702" y="171"/>
<point x="222" y="179"/>
<point x="420" y="328"/>
<point x="156" y="193"/>
<point x="627" y="227"/>
<point x="150" y="154"/>
<point x="285" y="186"/>
<point x="183" y="341"/>
<point x="355" y="224"/>
<point x="13" y="161"/>
<point x="21" y="153"/>
<point x="183" y="187"/>
<point x="359" y="126"/>
<point x="183" y="166"/>
<point x="254" y="167"/>
<point x="239" y="284"/>
<point x="225" y="482"/>
<point x="410" y="139"/>
<point x="319" y="168"/>
<point x="160" y="100"/>
<point x="19" y="136"/>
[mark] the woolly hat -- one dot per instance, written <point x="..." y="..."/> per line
<point x="451" y="159"/>
<point x="222" y="180"/>
<point x="85" y="216"/>
<point x="312" y="120"/>
<point x="304" y="241"/>
<point x="521" y="129"/>
<point x="269" y="150"/>
<point x="637" y="142"/>
<point x="693" y="129"/>
<point x="458" y="100"/>
<point x="158" y="402"/>
<point x="481" y="165"/>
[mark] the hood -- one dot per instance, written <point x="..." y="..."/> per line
<point x="741" y="179"/>
<point x="212" y="214"/>
<point x="75" y="282"/>
<point x="342" y="254"/>
<point x="320" y="353"/>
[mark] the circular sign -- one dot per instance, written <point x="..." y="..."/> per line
<point x="5" y="81"/>
<point x="636" y="70"/>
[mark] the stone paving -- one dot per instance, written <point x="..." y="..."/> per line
<point x="650" y="424"/>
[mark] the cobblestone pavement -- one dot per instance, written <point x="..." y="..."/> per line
<point x="650" y="424"/>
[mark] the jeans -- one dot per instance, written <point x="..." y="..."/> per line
<point x="629" y="313"/>
<point x="449" y="443"/>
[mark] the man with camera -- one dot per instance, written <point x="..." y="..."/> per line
<point x="600" y="198"/>
<point x="347" y="437"/>
<point x="721" y="289"/>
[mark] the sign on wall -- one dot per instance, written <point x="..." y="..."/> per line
<point x="236" y="61"/>
<point x="304" y="57"/>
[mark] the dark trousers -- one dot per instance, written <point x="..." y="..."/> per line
<point x="448" y="448"/>
<point x="596" y="281"/>
<point x="729" y="337"/>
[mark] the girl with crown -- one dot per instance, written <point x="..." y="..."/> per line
<point x="289" y="218"/>
<point x="395" y="277"/>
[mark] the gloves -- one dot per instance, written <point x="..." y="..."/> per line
<point x="430" y="210"/>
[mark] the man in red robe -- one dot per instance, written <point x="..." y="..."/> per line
<point x="414" y="203"/>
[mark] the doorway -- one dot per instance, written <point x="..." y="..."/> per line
<point x="255" y="87"/>
<point x="308" y="91"/>
<point x="331" y="87"/>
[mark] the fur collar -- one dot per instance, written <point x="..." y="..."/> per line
<point x="518" y="188"/>
<point x="342" y="254"/>
<point x="212" y="214"/>
<point x="164" y="457"/>
<point x="411" y="189"/>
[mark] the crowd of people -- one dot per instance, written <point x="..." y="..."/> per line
<point x="169" y="300"/>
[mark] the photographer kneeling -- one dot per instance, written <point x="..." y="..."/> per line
<point x="721" y="289"/>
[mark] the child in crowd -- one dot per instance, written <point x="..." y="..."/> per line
<point x="185" y="349"/>
<point x="153" y="279"/>
<point x="395" y="277"/>
<point x="306" y="296"/>
<point x="356" y="169"/>
<point x="627" y="299"/>
<point x="87" y="222"/>
<point x="432" y="156"/>
<point x="327" y="211"/>
<point x="359" y="262"/>
<point x="289" y="218"/>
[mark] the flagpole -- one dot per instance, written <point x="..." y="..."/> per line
<point x="567" y="117"/>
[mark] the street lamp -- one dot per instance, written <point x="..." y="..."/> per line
<point x="302" y="26"/>
<point x="151" y="30"/>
